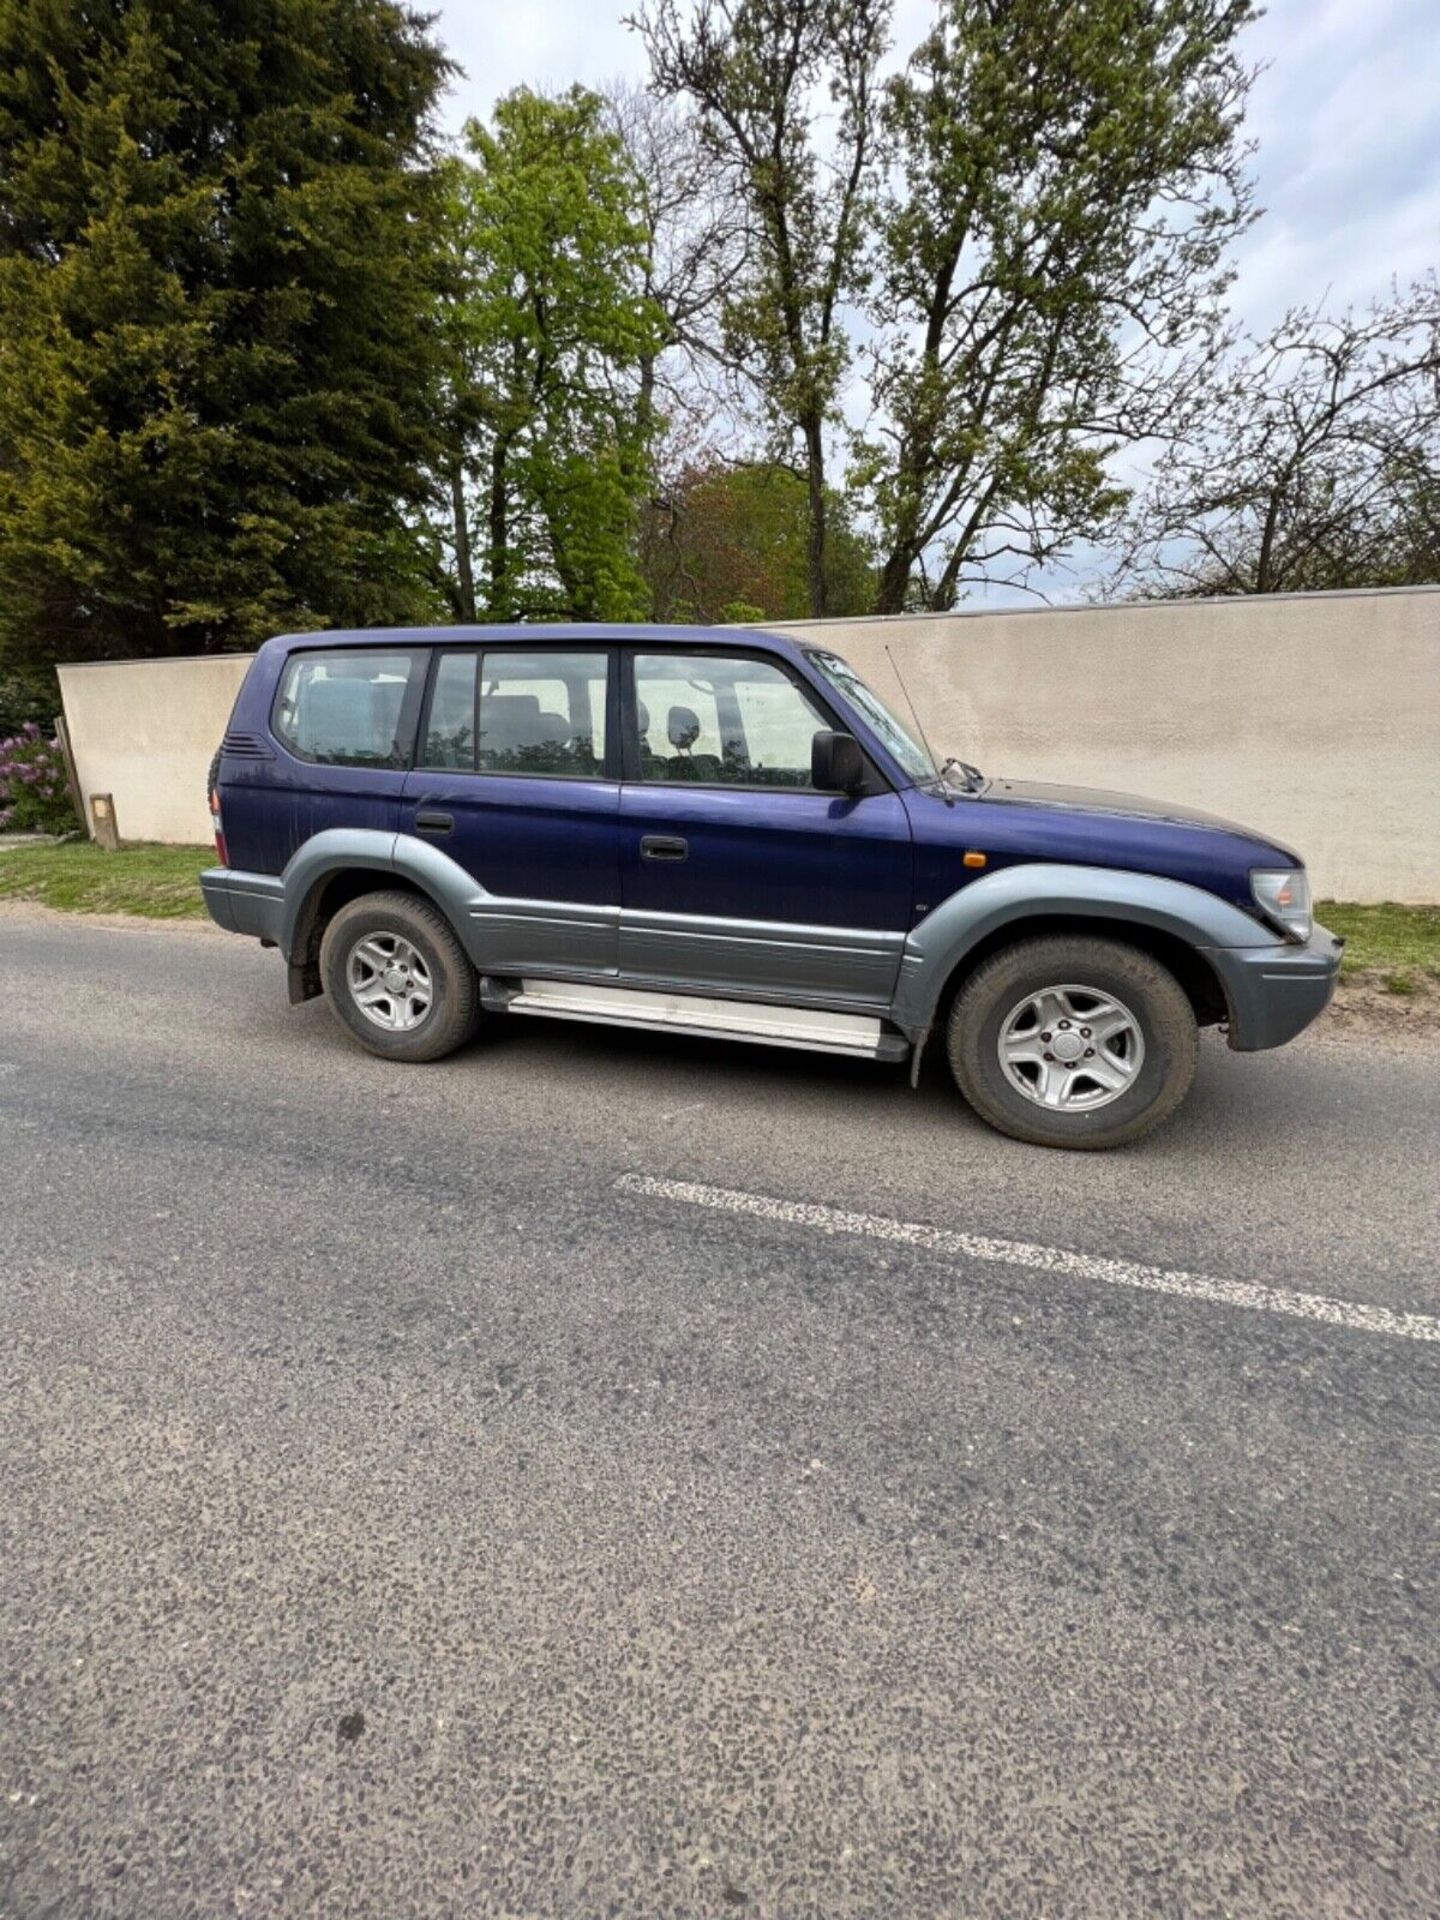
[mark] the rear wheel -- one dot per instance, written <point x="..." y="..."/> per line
<point x="1073" y="1042"/>
<point x="397" y="979"/>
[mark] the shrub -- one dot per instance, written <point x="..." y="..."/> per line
<point x="33" y="793"/>
<point x="26" y="693"/>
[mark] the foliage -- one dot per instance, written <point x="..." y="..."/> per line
<point x="156" y="883"/>
<point x="547" y="326"/>
<point x="759" y="73"/>
<point x="1399" y="943"/>
<point x="34" y="797"/>
<point x="216" y="345"/>
<point x="1309" y="459"/>
<point x="27" y="694"/>
<point x="1064" y="182"/>
<point x="731" y="544"/>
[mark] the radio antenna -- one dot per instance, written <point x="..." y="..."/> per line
<point x="894" y="665"/>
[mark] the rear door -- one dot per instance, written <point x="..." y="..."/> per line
<point x="736" y="875"/>
<point x="514" y="780"/>
<point x="343" y="720"/>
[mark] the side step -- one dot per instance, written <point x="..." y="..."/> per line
<point x="860" y="1035"/>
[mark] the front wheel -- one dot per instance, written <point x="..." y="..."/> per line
<point x="397" y="979"/>
<point x="1073" y="1042"/>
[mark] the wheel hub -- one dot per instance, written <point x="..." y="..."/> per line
<point x="1071" y="1047"/>
<point x="389" y="981"/>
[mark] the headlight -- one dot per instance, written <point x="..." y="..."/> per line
<point x="1284" y="899"/>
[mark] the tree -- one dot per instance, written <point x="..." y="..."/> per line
<point x="548" y="327"/>
<point x="1310" y="459"/>
<point x="216" y="344"/>
<point x="758" y="71"/>
<point x="1064" y="183"/>
<point x="696" y="249"/>
<point x="732" y="543"/>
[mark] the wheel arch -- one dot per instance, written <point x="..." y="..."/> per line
<point x="1195" y="974"/>
<point x="323" y="878"/>
<point x="1173" y="922"/>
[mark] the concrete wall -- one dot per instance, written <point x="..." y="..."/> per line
<point x="144" y="731"/>
<point x="1314" y="716"/>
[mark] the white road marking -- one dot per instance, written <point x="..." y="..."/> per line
<point x="1057" y="1260"/>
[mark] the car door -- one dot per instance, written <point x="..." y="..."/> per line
<point x="736" y="876"/>
<point x="513" y="780"/>
<point x="343" y="720"/>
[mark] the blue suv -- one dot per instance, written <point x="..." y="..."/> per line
<point x="730" y="834"/>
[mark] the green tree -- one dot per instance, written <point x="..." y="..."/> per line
<point x="787" y="91"/>
<point x="216" y="336"/>
<point x="549" y="328"/>
<point x="732" y="543"/>
<point x="1064" y="184"/>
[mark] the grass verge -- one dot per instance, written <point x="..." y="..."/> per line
<point x="1398" y="945"/>
<point x="157" y="883"/>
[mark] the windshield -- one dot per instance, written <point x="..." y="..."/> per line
<point x="842" y="676"/>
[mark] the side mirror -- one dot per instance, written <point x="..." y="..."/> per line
<point x="836" y="763"/>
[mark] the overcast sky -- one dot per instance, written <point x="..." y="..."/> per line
<point x="1347" y="117"/>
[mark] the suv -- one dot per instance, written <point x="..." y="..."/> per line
<point x="730" y="834"/>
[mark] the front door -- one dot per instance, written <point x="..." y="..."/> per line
<point x="513" y="780"/>
<point x="736" y="875"/>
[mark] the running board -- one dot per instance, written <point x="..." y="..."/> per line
<point x="860" y="1035"/>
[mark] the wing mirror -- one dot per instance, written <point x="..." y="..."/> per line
<point x="836" y="763"/>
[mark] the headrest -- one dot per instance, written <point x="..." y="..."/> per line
<point x="683" y="727"/>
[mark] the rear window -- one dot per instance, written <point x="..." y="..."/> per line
<point x="352" y="707"/>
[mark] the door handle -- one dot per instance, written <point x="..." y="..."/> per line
<point x="427" y="821"/>
<point x="662" y="846"/>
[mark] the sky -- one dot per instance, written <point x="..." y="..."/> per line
<point x="1345" y="114"/>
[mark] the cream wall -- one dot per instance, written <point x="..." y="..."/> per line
<point x="144" y="731"/>
<point x="1315" y="717"/>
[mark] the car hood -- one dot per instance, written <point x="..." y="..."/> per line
<point x="1129" y="806"/>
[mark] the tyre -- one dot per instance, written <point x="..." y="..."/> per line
<point x="1069" y="1041"/>
<point x="397" y="979"/>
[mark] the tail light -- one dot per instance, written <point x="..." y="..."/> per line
<point x="217" y="826"/>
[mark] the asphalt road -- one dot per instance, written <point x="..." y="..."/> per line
<point x="399" y="1517"/>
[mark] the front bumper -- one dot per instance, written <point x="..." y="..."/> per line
<point x="252" y="903"/>
<point x="1275" y="992"/>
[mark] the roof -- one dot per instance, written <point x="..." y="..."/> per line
<point x="535" y="635"/>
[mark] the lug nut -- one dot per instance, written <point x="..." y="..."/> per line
<point x="1086" y="1032"/>
<point x="1064" y="1023"/>
<point x="1089" y="1053"/>
<point x="1049" y="1056"/>
<point x="1046" y="1038"/>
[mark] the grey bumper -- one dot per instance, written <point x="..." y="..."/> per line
<point x="252" y="903"/>
<point x="1275" y="992"/>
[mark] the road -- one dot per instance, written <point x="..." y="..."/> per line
<point x="457" y="1491"/>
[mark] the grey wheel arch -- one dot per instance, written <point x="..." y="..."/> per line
<point x="1024" y="901"/>
<point x="359" y="851"/>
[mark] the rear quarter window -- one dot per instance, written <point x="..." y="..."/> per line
<point x="351" y="707"/>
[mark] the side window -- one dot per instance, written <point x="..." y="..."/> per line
<point x="723" y="722"/>
<point x="543" y="713"/>
<point x="450" y="728"/>
<point x="348" y="708"/>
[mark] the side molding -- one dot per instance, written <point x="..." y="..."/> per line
<point x="945" y="936"/>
